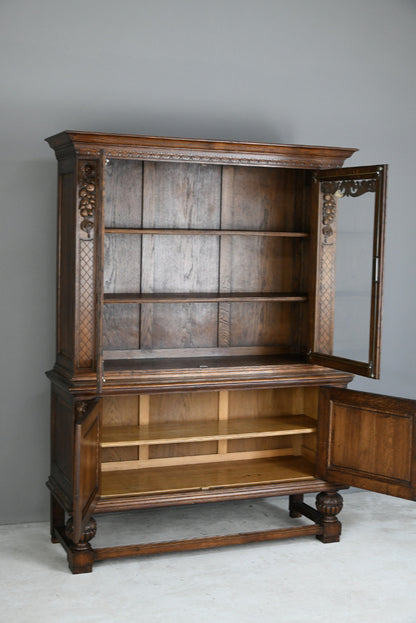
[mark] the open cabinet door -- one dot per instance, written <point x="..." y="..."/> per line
<point x="350" y="207"/>
<point x="368" y="441"/>
<point x="86" y="466"/>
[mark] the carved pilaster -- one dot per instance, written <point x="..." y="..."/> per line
<point x="87" y="208"/>
<point x="87" y="196"/>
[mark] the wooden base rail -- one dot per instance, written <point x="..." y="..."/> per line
<point x="326" y="528"/>
<point x="125" y="551"/>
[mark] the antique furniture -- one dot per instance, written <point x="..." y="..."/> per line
<point x="214" y="300"/>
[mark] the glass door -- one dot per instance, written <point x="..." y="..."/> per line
<point x="351" y="208"/>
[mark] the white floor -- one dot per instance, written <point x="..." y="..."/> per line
<point x="370" y="576"/>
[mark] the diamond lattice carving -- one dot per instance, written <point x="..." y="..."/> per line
<point x="86" y="303"/>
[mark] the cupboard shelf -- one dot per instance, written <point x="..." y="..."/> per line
<point x="190" y="431"/>
<point x="205" y="476"/>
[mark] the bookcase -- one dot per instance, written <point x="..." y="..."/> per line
<point x="214" y="300"/>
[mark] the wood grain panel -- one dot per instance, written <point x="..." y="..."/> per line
<point x="122" y="263"/>
<point x="121" y="327"/>
<point x="183" y="449"/>
<point x="180" y="264"/>
<point x="181" y="195"/>
<point x="183" y="407"/>
<point x="191" y="325"/>
<point x="367" y="440"/>
<point x="66" y="267"/>
<point x="357" y="436"/>
<point x="169" y="408"/>
<point x="261" y="324"/>
<point x="255" y="198"/>
<point x="119" y="411"/>
<point x="123" y="193"/>
<point x="266" y="402"/>
<point x="255" y="264"/>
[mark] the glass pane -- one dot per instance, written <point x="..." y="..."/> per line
<point x="353" y="275"/>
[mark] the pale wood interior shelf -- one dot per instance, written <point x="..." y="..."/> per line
<point x="205" y="476"/>
<point x="182" y="432"/>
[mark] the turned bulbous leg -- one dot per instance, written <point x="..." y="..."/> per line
<point x="329" y="504"/>
<point x="80" y="555"/>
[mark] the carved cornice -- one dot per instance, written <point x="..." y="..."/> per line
<point x="87" y="196"/>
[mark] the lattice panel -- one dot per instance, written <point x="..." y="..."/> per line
<point x="86" y="304"/>
<point x="327" y="271"/>
<point x="327" y="299"/>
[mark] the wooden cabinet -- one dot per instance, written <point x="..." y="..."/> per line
<point x="214" y="300"/>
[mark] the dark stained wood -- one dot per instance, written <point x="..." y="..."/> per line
<point x="146" y="549"/>
<point x="179" y="195"/>
<point x="191" y="290"/>
<point x="123" y="193"/>
<point x="204" y="297"/>
<point x="368" y="440"/>
<point x="205" y="232"/>
<point x="70" y="143"/>
<point x="86" y="465"/>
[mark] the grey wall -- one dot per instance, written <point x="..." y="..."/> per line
<point x="326" y="72"/>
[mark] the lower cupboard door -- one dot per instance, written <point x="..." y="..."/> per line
<point x="86" y="467"/>
<point x="367" y="441"/>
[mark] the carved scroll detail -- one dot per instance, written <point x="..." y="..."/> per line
<point x="329" y="210"/>
<point x="83" y="409"/>
<point x="331" y="189"/>
<point x="87" y="196"/>
<point x="349" y="188"/>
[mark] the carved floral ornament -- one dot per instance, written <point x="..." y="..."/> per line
<point x="335" y="189"/>
<point x="87" y="197"/>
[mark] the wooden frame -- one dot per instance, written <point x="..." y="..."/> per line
<point x="190" y="348"/>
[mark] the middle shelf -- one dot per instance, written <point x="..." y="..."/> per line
<point x="185" y="432"/>
<point x="135" y="297"/>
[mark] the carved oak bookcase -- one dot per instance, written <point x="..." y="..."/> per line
<point x="214" y="300"/>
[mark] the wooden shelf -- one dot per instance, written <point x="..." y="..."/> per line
<point x="205" y="476"/>
<point x="205" y="232"/>
<point x="184" y="432"/>
<point x="239" y="297"/>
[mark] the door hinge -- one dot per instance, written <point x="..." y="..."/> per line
<point x="376" y="269"/>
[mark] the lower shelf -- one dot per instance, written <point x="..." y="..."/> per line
<point x="205" y="476"/>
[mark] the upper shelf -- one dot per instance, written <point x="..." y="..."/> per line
<point x="178" y="297"/>
<point x="205" y="232"/>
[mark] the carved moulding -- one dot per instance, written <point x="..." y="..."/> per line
<point x="87" y="196"/>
